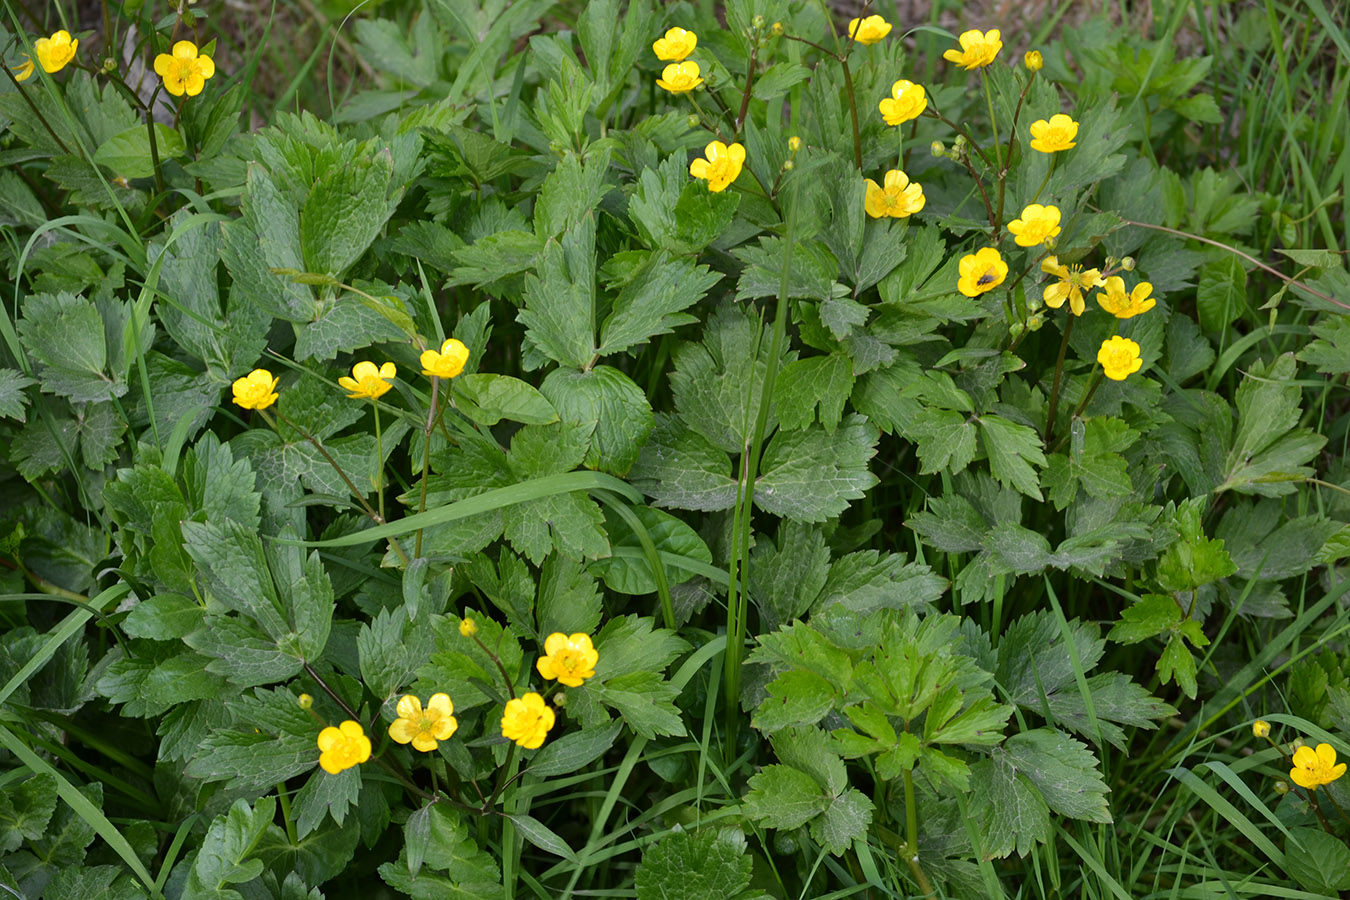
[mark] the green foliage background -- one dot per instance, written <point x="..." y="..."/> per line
<point x="876" y="615"/>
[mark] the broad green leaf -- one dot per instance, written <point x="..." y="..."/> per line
<point x="559" y="312"/>
<point x="13" y="399"/>
<point x="487" y="399"/>
<point x="1318" y="861"/>
<point x="633" y="574"/>
<point x="570" y="752"/>
<point x="695" y="865"/>
<point x="608" y="403"/>
<point x="1063" y="769"/>
<point x="824" y="381"/>
<point x="225" y="855"/>
<point x="1012" y="813"/>
<point x="1152" y="615"/>
<point x="1177" y="663"/>
<point x="783" y="797"/>
<point x="1013" y="451"/>
<point x="1222" y="294"/>
<point x="683" y="469"/>
<point x="812" y="475"/>
<point x="653" y="303"/>
<point x="128" y="152"/>
<point x="65" y="334"/>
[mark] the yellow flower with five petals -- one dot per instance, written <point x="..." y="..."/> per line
<point x="569" y="658"/>
<point x="53" y="53"/>
<point x="184" y="71"/>
<point x="978" y="48"/>
<point x="1118" y="303"/>
<point x="447" y="362"/>
<point x="1055" y="134"/>
<point x="907" y="101"/>
<point x="1035" y="226"/>
<point x="675" y="46"/>
<point x="527" y="720"/>
<point x="680" y="78"/>
<point x="342" y="747"/>
<point x="869" y="30"/>
<point x="722" y="166"/>
<point x="368" y="380"/>
<point x="1119" y="357"/>
<point x="898" y="199"/>
<point x="1314" y="768"/>
<point x="981" y="271"/>
<point x="423" y="728"/>
<point x="1073" y="281"/>
<point x="256" y="390"/>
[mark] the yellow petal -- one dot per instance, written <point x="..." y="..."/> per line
<point x="424" y="742"/>
<point x="185" y="50"/>
<point x="207" y="66"/>
<point x="403" y="730"/>
<point x="444" y="728"/>
<point x="440" y="705"/>
<point x="409" y="707"/>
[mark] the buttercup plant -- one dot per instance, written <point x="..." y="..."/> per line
<point x="914" y="523"/>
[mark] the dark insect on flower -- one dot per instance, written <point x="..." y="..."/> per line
<point x="986" y="278"/>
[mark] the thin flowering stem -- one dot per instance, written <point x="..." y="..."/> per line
<point x="1059" y="372"/>
<point x="356" y="492"/>
<point x="749" y="83"/>
<point x="1096" y="383"/>
<point x="1046" y="180"/>
<point x="502" y="778"/>
<point x="379" y="461"/>
<point x="852" y="111"/>
<point x="993" y="122"/>
<point x="932" y="111"/>
<point x="426" y="457"/>
<point x="506" y="679"/>
<point x="33" y="106"/>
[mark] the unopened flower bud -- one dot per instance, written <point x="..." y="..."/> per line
<point x="560" y="699"/>
<point x="1016" y="329"/>
<point x="1050" y="242"/>
<point x="304" y="701"/>
<point x="1261" y="728"/>
<point x="692" y="121"/>
<point x="468" y="627"/>
<point x="1127" y="264"/>
<point x="1033" y="60"/>
<point x="938" y="149"/>
<point x="789" y="165"/>
<point x="778" y="29"/>
<point x="1035" y="322"/>
<point x="757" y="22"/>
<point x="1034" y="301"/>
<point x="1281" y="787"/>
<point x="109" y="65"/>
<point x="794" y="143"/>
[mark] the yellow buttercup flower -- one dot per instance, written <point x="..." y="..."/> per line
<point x="1073" y="281"/>
<point x="54" y="52"/>
<point x="468" y="628"/>
<point x="570" y="658"/>
<point x="1314" y="768"/>
<point x="527" y="720"/>
<point x="1035" y="226"/>
<point x="256" y="390"/>
<point x="448" y="362"/>
<point x="1122" y="305"/>
<point x="907" y="101"/>
<point x="184" y="71"/>
<point x="722" y="166"/>
<point x="368" y="380"/>
<point x="981" y="271"/>
<point x="680" y="78"/>
<point x="343" y="747"/>
<point x="24" y="70"/>
<point x="898" y="199"/>
<point x="423" y="728"/>
<point x="1054" y="135"/>
<point x="1119" y="358"/>
<point x="676" y="45"/>
<point x="977" y="48"/>
<point x="1033" y="60"/>
<point x="1261" y="728"/>
<point x="868" y="30"/>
